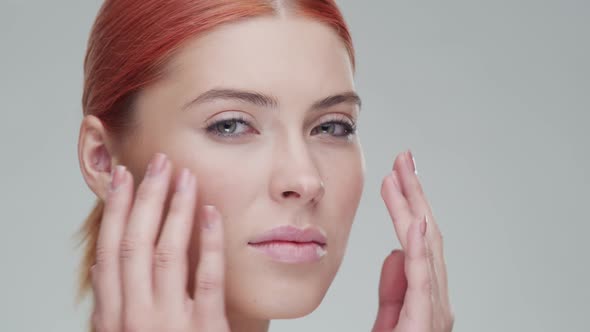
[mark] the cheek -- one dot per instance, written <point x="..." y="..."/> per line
<point x="222" y="180"/>
<point x="231" y="190"/>
<point x="227" y="188"/>
<point x="344" y="189"/>
<point x="345" y="182"/>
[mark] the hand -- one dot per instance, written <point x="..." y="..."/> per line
<point x="413" y="293"/>
<point x="141" y="285"/>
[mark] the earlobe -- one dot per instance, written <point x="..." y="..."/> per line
<point x="94" y="155"/>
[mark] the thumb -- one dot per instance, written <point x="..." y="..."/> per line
<point x="392" y="289"/>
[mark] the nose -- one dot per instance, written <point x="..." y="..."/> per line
<point x="296" y="179"/>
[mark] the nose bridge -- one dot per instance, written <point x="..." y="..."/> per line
<point x="295" y="175"/>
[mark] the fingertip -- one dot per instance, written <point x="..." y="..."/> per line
<point x="396" y="252"/>
<point x="392" y="260"/>
<point x="397" y="161"/>
<point x="390" y="188"/>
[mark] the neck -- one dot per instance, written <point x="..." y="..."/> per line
<point x="241" y="323"/>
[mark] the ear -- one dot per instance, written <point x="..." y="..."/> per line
<point x="95" y="155"/>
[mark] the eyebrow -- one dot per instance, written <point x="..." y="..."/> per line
<point x="260" y="99"/>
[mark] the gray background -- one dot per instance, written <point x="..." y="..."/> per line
<point x="493" y="97"/>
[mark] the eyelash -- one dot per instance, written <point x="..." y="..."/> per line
<point x="349" y="126"/>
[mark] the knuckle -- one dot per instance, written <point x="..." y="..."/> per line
<point x="429" y="254"/>
<point x="208" y="282"/>
<point x="105" y="256"/>
<point x="425" y="286"/>
<point x="166" y="256"/>
<point x="130" y="246"/>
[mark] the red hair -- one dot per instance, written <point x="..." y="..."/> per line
<point x="132" y="40"/>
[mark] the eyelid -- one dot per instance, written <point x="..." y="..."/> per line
<point x="229" y="115"/>
<point x="341" y="119"/>
<point x="336" y="117"/>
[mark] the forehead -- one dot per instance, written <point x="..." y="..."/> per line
<point x="287" y="57"/>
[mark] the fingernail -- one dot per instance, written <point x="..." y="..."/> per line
<point x="182" y="180"/>
<point x="117" y="177"/>
<point x="423" y="225"/>
<point x="412" y="162"/>
<point x="156" y="165"/>
<point x="210" y="218"/>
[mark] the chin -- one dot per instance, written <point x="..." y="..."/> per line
<point x="279" y="291"/>
<point x="278" y="300"/>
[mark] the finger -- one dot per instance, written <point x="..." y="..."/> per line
<point x="411" y="186"/>
<point x="137" y="246"/>
<point x="397" y="206"/>
<point x="417" y="310"/>
<point x="106" y="272"/>
<point x="435" y="244"/>
<point x="432" y="271"/>
<point x="209" y="279"/>
<point x="412" y="189"/>
<point x="392" y="289"/>
<point x="438" y="268"/>
<point x="170" y="261"/>
<point x="103" y="318"/>
<point x="94" y="283"/>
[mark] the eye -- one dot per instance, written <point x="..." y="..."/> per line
<point x="337" y="128"/>
<point x="231" y="127"/>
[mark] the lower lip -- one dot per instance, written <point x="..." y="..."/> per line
<point x="291" y="252"/>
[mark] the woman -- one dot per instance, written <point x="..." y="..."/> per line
<point x="237" y="117"/>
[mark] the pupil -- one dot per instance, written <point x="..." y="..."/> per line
<point x="227" y="126"/>
<point x="327" y="128"/>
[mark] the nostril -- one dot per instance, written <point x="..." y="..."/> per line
<point x="286" y="194"/>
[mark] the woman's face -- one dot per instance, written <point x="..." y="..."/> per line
<point x="261" y="111"/>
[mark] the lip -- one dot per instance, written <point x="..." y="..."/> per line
<point x="289" y="244"/>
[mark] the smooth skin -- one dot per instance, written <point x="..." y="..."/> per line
<point x="413" y="294"/>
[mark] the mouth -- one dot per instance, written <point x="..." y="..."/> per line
<point x="288" y="244"/>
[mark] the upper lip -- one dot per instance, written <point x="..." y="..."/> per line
<point x="291" y="234"/>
